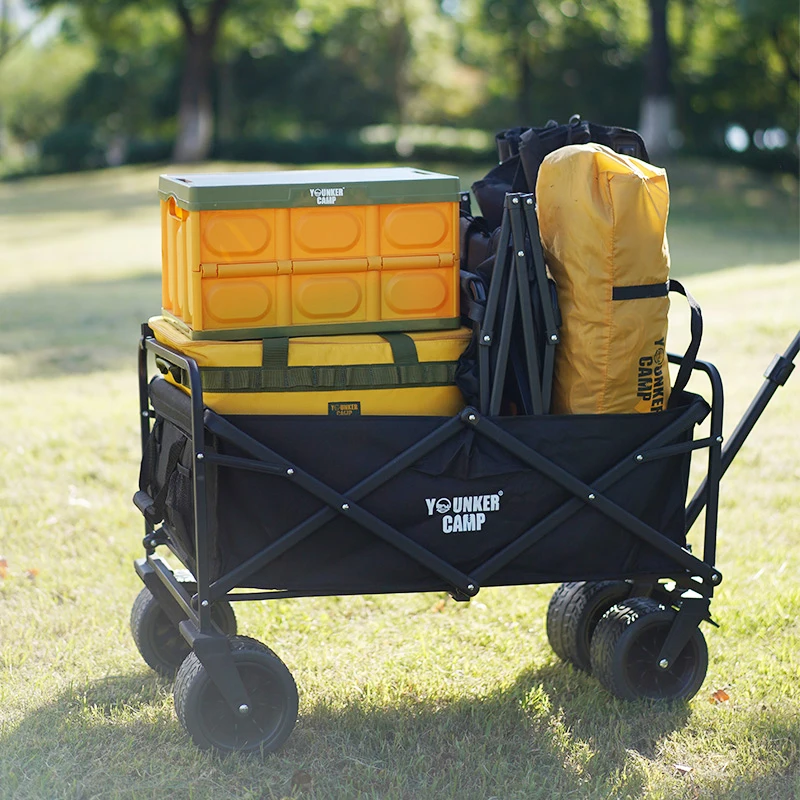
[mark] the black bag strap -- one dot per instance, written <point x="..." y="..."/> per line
<point x="696" y="326"/>
<point x="146" y="468"/>
<point x="154" y="511"/>
<point x="476" y="240"/>
<point x="473" y="298"/>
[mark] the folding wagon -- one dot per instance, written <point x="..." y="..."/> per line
<point x="278" y="507"/>
<point x="262" y="507"/>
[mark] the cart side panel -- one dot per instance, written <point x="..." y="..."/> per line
<point x="464" y="501"/>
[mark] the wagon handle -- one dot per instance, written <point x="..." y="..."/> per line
<point x="776" y="375"/>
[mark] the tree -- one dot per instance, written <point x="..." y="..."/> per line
<point x="550" y="59"/>
<point x="658" y="103"/>
<point x="735" y="62"/>
<point x="195" y="109"/>
<point x="199" y="23"/>
<point x="31" y="108"/>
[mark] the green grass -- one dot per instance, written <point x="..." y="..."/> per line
<point x="404" y="697"/>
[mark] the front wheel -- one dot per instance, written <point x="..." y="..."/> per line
<point x="212" y="723"/>
<point x="625" y="651"/>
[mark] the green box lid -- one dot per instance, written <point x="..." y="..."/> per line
<point x="307" y="188"/>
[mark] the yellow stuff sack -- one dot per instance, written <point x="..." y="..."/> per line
<point x="602" y="219"/>
<point x="343" y="376"/>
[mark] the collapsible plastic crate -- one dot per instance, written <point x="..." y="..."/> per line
<point x="263" y="254"/>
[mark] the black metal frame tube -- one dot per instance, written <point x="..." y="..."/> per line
<point x="199" y="496"/>
<point x="144" y="404"/>
<point x="552" y="337"/>
<point x="707" y="494"/>
<point x="522" y="269"/>
<point x="486" y="337"/>
<point x="504" y="345"/>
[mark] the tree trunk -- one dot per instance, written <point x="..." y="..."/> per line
<point x="657" y="119"/>
<point x="195" y="111"/>
<point x="227" y="128"/>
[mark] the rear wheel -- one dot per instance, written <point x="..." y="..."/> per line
<point x="572" y="616"/>
<point x="158" y="639"/>
<point x="212" y="723"/>
<point x="625" y="652"/>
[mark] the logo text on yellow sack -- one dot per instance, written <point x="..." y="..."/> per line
<point x="650" y="388"/>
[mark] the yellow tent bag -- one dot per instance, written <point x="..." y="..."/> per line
<point x="344" y="376"/>
<point x="602" y="219"/>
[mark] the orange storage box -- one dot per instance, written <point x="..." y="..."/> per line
<point x="268" y="254"/>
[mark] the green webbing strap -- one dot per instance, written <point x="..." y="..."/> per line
<point x="276" y="376"/>
<point x="331" y="378"/>
<point x="404" y="351"/>
<point x="275" y="353"/>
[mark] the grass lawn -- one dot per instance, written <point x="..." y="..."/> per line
<point x="404" y="697"/>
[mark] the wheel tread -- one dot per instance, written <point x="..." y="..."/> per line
<point x="573" y="613"/>
<point x="609" y="631"/>
<point x="556" y="614"/>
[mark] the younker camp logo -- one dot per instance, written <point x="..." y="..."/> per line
<point x="463" y="513"/>
<point x="327" y="196"/>
<point x="650" y="387"/>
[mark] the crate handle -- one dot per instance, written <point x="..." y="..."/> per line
<point x="175" y="211"/>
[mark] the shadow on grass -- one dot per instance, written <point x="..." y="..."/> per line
<point x="76" y="328"/>
<point x="552" y="733"/>
<point x="529" y="740"/>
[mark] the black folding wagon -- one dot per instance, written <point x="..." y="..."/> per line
<point x="266" y="507"/>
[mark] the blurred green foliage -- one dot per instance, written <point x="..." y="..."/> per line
<point x="300" y="80"/>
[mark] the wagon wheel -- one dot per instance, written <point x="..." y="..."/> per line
<point x="574" y="611"/>
<point x="212" y="723"/>
<point x="158" y="640"/>
<point x="625" y="650"/>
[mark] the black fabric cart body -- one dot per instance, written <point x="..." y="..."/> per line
<point x="261" y="507"/>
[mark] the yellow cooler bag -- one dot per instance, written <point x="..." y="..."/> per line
<point x="602" y="219"/>
<point x="348" y="375"/>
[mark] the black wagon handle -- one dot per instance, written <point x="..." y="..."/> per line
<point x="777" y="373"/>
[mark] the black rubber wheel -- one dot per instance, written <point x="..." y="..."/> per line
<point x="625" y="649"/>
<point x="213" y="724"/>
<point x="572" y="616"/>
<point x="159" y="641"/>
